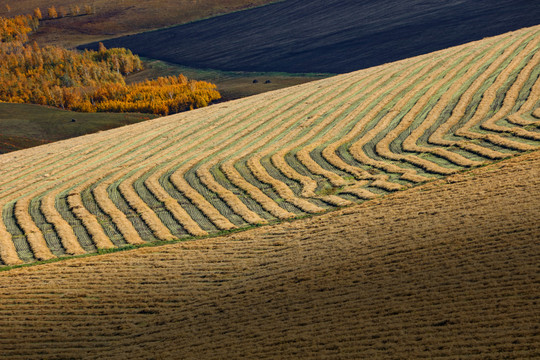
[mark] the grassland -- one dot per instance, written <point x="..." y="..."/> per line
<point x="23" y="125"/>
<point x="329" y="36"/>
<point x="448" y="270"/>
<point x="230" y="84"/>
<point x="284" y="154"/>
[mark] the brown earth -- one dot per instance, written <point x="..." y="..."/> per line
<point x="449" y="269"/>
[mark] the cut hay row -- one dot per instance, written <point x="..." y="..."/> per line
<point x="63" y="229"/>
<point x="33" y="234"/>
<point x="94" y="229"/>
<point x="119" y="218"/>
<point x="268" y="136"/>
<point x="254" y="164"/>
<point x="527" y="108"/>
<point x="488" y="98"/>
<point x="509" y="100"/>
<point x="383" y="147"/>
<point x="126" y="188"/>
<point x="410" y="144"/>
<point x="265" y="201"/>
<point x="215" y="140"/>
<point x="296" y="151"/>
<point x="437" y="138"/>
<point x="356" y="149"/>
<point x="278" y="158"/>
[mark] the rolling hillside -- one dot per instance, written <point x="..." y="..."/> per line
<point x="330" y="36"/>
<point x="446" y="270"/>
<point x="114" y="18"/>
<point x="276" y="156"/>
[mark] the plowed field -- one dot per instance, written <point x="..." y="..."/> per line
<point x="330" y="36"/>
<point x="449" y="269"/>
<point x="284" y="154"/>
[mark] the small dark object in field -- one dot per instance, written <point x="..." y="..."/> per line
<point x="267" y="82"/>
<point x="73" y="120"/>
<point x="441" y="323"/>
<point x="255" y="81"/>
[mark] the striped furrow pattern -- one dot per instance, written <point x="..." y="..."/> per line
<point x="297" y="151"/>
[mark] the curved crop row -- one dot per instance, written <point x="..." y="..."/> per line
<point x="305" y="149"/>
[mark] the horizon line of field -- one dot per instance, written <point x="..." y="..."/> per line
<point x="214" y="211"/>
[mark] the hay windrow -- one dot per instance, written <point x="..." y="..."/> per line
<point x="291" y="152"/>
<point x="33" y="234"/>
<point x="62" y="227"/>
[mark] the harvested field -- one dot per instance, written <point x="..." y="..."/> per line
<point x="329" y="36"/>
<point x="448" y="269"/>
<point x="287" y="153"/>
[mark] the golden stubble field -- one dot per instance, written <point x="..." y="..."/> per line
<point x="449" y="269"/>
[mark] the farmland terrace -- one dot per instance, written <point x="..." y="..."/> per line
<point x="329" y="36"/>
<point x="294" y="152"/>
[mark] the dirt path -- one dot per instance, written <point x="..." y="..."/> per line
<point x="446" y="269"/>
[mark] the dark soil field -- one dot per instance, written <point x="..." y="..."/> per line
<point x="24" y="125"/>
<point x="336" y="36"/>
<point x="447" y="270"/>
<point x="114" y="18"/>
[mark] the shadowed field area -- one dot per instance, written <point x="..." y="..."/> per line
<point x="445" y="270"/>
<point x="321" y="36"/>
<point x="25" y="125"/>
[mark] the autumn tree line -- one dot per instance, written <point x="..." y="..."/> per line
<point x="87" y="81"/>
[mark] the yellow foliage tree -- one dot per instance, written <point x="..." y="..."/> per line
<point x="37" y="14"/>
<point x="52" y="13"/>
<point x="88" y="9"/>
<point x="62" y="12"/>
<point x="75" y="10"/>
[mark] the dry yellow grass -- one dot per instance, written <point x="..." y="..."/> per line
<point x="448" y="269"/>
<point x="297" y="151"/>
